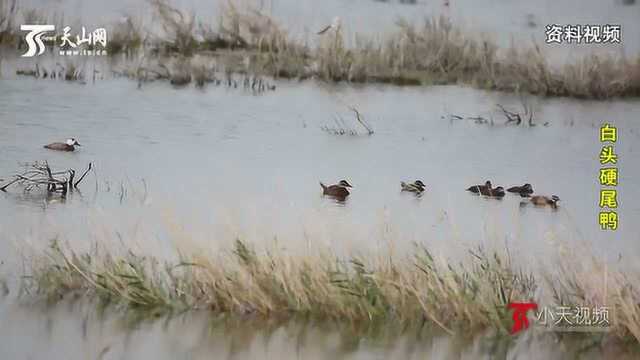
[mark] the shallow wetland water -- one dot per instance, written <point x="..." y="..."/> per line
<point x="188" y="170"/>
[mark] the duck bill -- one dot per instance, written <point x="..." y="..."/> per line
<point x="77" y="144"/>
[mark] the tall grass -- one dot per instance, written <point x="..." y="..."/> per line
<point x="432" y="52"/>
<point x="8" y="12"/>
<point x="126" y="38"/>
<point x="466" y="298"/>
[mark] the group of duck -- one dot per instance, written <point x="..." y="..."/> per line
<point x="525" y="191"/>
<point x="340" y="191"/>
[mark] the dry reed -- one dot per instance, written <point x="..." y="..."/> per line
<point x="466" y="298"/>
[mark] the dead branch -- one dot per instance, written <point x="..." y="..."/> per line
<point x="511" y="116"/>
<point x="360" y="119"/>
<point x="83" y="175"/>
<point x="345" y="127"/>
<point x="40" y="175"/>
<point x="4" y="187"/>
<point x="475" y="119"/>
<point x="527" y="113"/>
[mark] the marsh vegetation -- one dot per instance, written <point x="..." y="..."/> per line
<point x="248" y="165"/>
<point x="413" y="292"/>
<point x="433" y="52"/>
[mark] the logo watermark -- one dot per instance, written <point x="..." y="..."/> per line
<point x="560" y="318"/>
<point x="92" y="43"/>
<point x="520" y="319"/>
<point x="583" y="34"/>
<point x="34" y="38"/>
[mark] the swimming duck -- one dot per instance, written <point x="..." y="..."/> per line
<point x="338" y="190"/>
<point x="540" y="200"/>
<point x="524" y="190"/>
<point x="69" y="145"/>
<point x="481" y="189"/>
<point x="497" y="192"/>
<point x="416" y="187"/>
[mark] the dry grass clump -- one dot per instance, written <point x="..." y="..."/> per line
<point x="467" y="298"/>
<point x="600" y="78"/>
<point x="8" y="13"/>
<point x="126" y="38"/>
<point x="439" y="53"/>
<point x="178" y="27"/>
<point x="271" y="49"/>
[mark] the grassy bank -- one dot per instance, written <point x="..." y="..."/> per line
<point x="434" y="52"/>
<point x="418" y="291"/>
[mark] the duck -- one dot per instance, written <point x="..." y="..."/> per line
<point x="69" y="145"/>
<point x="524" y="190"/>
<point x="338" y="190"/>
<point x="481" y="189"/>
<point x="497" y="192"/>
<point x="540" y="200"/>
<point x="416" y="187"/>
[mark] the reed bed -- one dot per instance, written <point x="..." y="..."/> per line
<point x="417" y="291"/>
<point x="433" y="52"/>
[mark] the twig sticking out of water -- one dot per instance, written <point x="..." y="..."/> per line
<point x="361" y="120"/>
<point x="518" y="118"/>
<point x="476" y="119"/>
<point x="39" y="174"/>
<point x="511" y="116"/>
<point x="83" y="175"/>
<point x="342" y="128"/>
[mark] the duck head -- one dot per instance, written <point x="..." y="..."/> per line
<point x="487" y="184"/>
<point x="420" y="183"/>
<point x="555" y="198"/>
<point x="344" y="183"/>
<point x="72" y="142"/>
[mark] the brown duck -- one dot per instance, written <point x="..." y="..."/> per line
<point x="497" y="192"/>
<point x="338" y="190"/>
<point x="540" y="200"/>
<point x="524" y="190"/>
<point x="69" y="145"/>
<point x="481" y="189"/>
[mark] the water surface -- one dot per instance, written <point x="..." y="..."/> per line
<point x="203" y="166"/>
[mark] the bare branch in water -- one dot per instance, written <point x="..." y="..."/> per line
<point x="83" y="175"/>
<point x="361" y="120"/>
<point x="527" y="113"/>
<point x="39" y="174"/>
<point x="511" y="116"/>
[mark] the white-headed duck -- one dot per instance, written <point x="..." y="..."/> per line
<point x="69" y="145"/>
